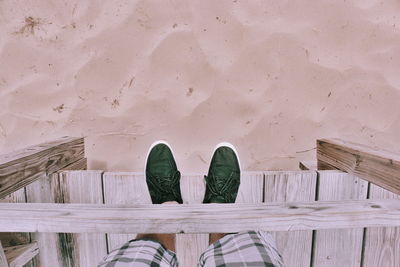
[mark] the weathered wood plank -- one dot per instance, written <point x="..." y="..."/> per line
<point x="80" y="164"/>
<point x="339" y="247"/>
<point x="251" y="188"/>
<point x="14" y="239"/>
<point x="84" y="187"/>
<point x="211" y="218"/>
<point x="22" y="167"/>
<point x="193" y="187"/>
<point x="295" y="246"/>
<point x="382" y="244"/>
<point x="124" y="188"/>
<point x="46" y="190"/>
<point x="20" y="255"/>
<point x="3" y="259"/>
<point x="374" y="165"/>
<point x="189" y="247"/>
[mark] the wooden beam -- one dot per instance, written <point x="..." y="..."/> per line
<point x="18" y="256"/>
<point x="374" y="165"/>
<point x="22" y="167"/>
<point x="199" y="218"/>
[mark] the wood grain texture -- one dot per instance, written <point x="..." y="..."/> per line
<point x="189" y="247"/>
<point x="382" y="244"/>
<point x="295" y="246"/>
<point x="18" y="256"/>
<point x="251" y="188"/>
<point x="22" y="167"/>
<point x="14" y="239"/>
<point x="124" y="188"/>
<point x="193" y="187"/>
<point x="211" y="218"/>
<point x="3" y="259"/>
<point x="339" y="247"/>
<point x="374" y="165"/>
<point x="84" y="187"/>
<point x="46" y="190"/>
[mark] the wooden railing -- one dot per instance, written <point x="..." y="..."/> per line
<point x="25" y="166"/>
<point x="198" y="218"/>
<point x="19" y="169"/>
<point x="372" y="164"/>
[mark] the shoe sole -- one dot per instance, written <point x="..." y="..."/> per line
<point x="151" y="147"/>
<point x="226" y="144"/>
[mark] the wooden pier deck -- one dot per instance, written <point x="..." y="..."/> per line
<point x="333" y="247"/>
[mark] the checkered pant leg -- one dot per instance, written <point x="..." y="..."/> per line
<point x="243" y="249"/>
<point x="140" y="253"/>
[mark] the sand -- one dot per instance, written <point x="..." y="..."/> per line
<point x="268" y="76"/>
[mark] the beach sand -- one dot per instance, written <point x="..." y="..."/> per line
<point x="268" y="76"/>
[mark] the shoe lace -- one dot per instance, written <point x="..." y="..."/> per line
<point x="166" y="184"/>
<point x="216" y="189"/>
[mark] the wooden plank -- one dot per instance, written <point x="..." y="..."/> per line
<point x="199" y="218"/>
<point x="124" y="188"/>
<point x="80" y="164"/>
<point x="84" y="187"/>
<point x="251" y="188"/>
<point x="374" y="165"/>
<point x="46" y="190"/>
<point x="339" y="247"/>
<point x="22" y="167"/>
<point x="189" y="247"/>
<point x="14" y="239"/>
<point x="382" y="244"/>
<point x="295" y="246"/>
<point x="18" y="256"/>
<point x="3" y="259"/>
<point x="193" y="188"/>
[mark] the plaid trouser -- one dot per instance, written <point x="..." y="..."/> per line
<point x="242" y="249"/>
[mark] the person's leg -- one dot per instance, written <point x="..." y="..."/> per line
<point x="257" y="248"/>
<point x="167" y="240"/>
<point x="223" y="179"/>
<point x="253" y="247"/>
<point x="140" y="253"/>
<point x="215" y="237"/>
<point x="163" y="182"/>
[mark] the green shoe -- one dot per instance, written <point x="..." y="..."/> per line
<point x="223" y="180"/>
<point x="162" y="175"/>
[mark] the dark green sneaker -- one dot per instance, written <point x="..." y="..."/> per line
<point x="223" y="179"/>
<point x="162" y="175"/>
